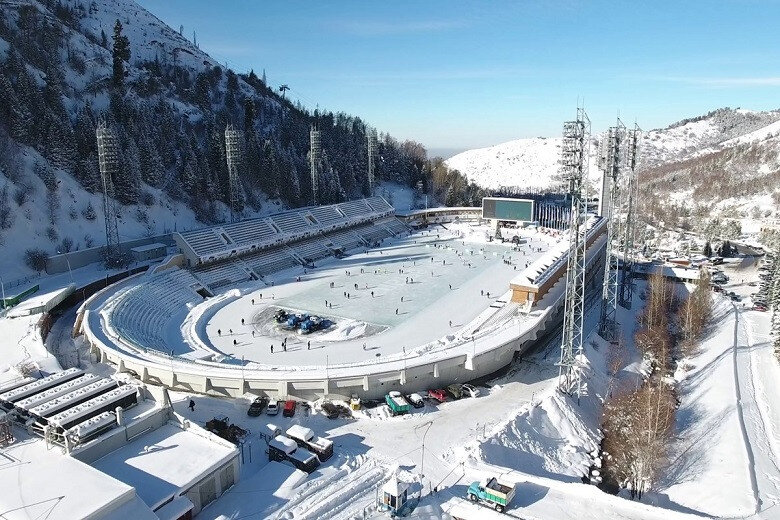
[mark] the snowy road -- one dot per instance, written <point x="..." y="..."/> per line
<point x="756" y="375"/>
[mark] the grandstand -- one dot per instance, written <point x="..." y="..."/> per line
<point x="310" y="250"/>
<point x="216" y="243"/>
<point x="141" y="313"/>
<point x="269" y="261"/>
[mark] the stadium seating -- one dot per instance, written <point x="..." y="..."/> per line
<point x="290" y="222"/>
<point x="267" y="262"/>
<point x="141" y="314"/>
<point x="311" y="249"/>
<point x="393" y="225"/>
<point x="220" y="274"/>
<point x="354" y="208"/>
<point x="250" y="231"/>
<point x="379" y="205"/>
<point x="344" y="239"/>
<point x="326" y="215"/>
<point x="373" y="233"/>
<point x="204" y="241"/>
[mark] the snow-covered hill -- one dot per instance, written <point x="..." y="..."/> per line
<point x="529" y="163"/>
<point x="725" y="158"/>
<point x="169" y="110"/>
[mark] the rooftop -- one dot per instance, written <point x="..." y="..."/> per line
<point x="160" y="463"/>
<point x="45" y="483"/>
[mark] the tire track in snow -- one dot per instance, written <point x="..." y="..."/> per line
<point x="741" y="416"/>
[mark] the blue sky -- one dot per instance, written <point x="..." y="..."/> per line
<point x="458" y="75"/>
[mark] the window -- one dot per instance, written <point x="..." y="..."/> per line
<point x="226" y="477"/>
<point x="207" y="492"/>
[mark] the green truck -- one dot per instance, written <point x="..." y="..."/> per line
<point x="492" y="493"/>
<point x="397" y="404"/>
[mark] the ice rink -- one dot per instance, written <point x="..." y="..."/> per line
<point x="383" y="302"/>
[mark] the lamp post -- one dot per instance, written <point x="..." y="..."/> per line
<point x="70" y="271"/>
<point x="422" y="459"/>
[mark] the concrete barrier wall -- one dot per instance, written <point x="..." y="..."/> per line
<point x="59" y="263"/>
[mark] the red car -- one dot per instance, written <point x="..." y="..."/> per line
<point x="438" y="394"/>
<point x="759" y="307"/>
<point x="289" y="408"/>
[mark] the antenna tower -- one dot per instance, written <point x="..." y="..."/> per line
<point x="315" y="156"/>
<point x="371" y="138"/>
<point x="574" y="168"/>
<point x="108" y="161"/>
<point x="233" y="155"/>
<point x="626" y="282"/>
<point x="611" y="206"/>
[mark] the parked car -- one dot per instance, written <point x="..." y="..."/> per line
<point x="416" y="400"/>
<point x="257" y="406"/>
<point x="469" y="390"/>
<point x="455" y="391"/>
<point x="759" y="307"/>
<point x="289" y="408"/>
<point x="437" y="394"/>
<point x="280" y="316"/>
<point x="273" y="408"/>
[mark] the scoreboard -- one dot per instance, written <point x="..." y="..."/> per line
<point x="519" y="210"/>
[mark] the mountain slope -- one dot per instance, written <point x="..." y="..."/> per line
<point x="724" y="159"/>
<point x="170" y="111"/>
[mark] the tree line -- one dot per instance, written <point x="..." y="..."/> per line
<point x="638" y="422"/>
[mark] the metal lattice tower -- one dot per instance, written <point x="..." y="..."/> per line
<point x="371" y="143"/>
<point x="574" y="168"/>
<point x="626" y="280"/>
<point x="233" y="155"/>
<point x="315" y="156"/>
<point x="611" y="212"/>
<point x="108" y="161"/>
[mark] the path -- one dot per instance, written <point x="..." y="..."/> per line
<point x="756" y="374"/>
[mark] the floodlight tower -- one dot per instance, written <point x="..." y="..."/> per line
<point x="315" y="155"/>
<point x="233" y="155"/>
<point x="371" y="143"/>
<point x="108" y="161"/>
<point x="574" y="167"/>
<point x="626" y="281"/>
<point x="612" y="165"/>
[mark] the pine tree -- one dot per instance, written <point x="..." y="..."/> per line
<point x="121" y="54"/>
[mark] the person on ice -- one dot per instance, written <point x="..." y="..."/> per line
<point x="192" y="405"/>
<point x="219" y="332"/>
<point x="242" y="321"/>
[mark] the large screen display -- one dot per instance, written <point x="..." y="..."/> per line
<point x="508" y="209"/>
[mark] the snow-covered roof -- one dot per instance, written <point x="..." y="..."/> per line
<point x="300" y="432"/>
<point x="45" y="483"/>
<point x="394" y="486"/>
<point x="165" y="461"/>
<point x="284" y="444"/>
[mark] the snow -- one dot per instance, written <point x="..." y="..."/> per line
<point x="709" y="414"/>
<point x="40" y="483"/>
<point x="363" y="319"/>
<point x="525" y="163"/>
<point x="160" y="463"/>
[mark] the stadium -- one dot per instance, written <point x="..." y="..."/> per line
<point x="339" y="300"/>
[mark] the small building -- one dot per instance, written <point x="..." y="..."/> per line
<point x="148" y="252"/>
<point x="394" y="494"/>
